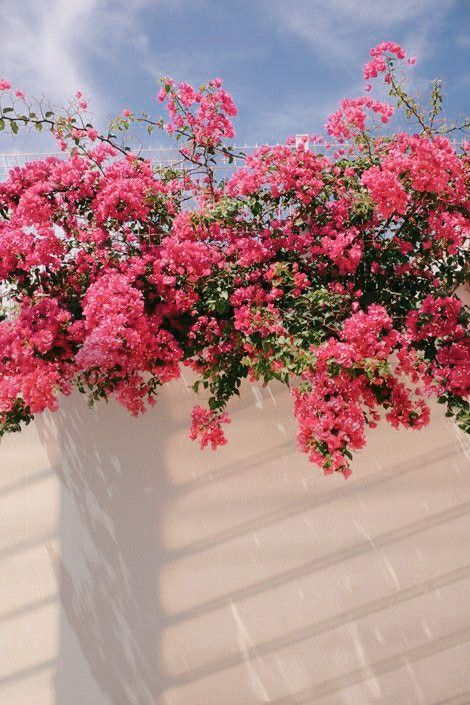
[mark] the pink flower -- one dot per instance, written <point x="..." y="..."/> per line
<point x="379" y="60"/>
<point x="92" y="133"/>
<point x="331" y="271"/>
<point x="386" y="190"/>
<point x="351" y="116"/>
<point x="206" y="426"/>
<point x="435" y="318"/>
<point x="452" y="368"/>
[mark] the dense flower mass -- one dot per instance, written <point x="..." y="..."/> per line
<point x="339" y="274"/>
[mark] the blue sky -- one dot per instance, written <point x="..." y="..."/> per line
<point x="286" y="63"/>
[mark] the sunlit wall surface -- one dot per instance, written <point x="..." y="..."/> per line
<point x="138" y="570"/>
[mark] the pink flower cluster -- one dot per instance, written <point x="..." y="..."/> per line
<point x="386" y="191"/>
<point x="436" y="318"/>
<point x="205" y="113"/>
<point x="351" y="116"/>
<point x="206" y="427"/>
<point x="378" y="63"/>
<point x="452" y="368"/>
<point x="336" y="273"/>
<point x="349" y="381"/>
<point x="281" y="169"/>
<point x="28" y="369"/>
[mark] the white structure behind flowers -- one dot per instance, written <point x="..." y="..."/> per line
<point x="138" y="570"/>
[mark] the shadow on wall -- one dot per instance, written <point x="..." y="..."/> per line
<point x="114" y="494"/>
<point x="191" y="578"/>
<point x="111" y="558"/>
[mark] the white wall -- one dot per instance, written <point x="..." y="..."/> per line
<point x="137" y="570"/>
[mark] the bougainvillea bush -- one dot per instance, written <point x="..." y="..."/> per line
<point x="336" y="272"/>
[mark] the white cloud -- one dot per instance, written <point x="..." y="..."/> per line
<point x="40" y="45"/>
<point x="340" y="33"/>
<point x="46" y="45"/>
<point x="49" y="48"/>
<point x="55" y="47"/>
<point x="339" y="30"/>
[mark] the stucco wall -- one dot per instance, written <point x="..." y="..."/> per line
<point x="136" y="570"/>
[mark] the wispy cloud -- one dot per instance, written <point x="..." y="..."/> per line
<point x="40" y="45"/>
<point x="46" y="46"/>
<point x="338" y="34"/>
<point x="287" y="64"/>
<point x="338" y="30"/>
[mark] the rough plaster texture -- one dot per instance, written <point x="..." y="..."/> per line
<point x="136" y="570"/>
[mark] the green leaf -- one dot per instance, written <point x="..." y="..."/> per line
<point x="14" y="128"/>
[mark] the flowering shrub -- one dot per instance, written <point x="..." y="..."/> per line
<point x="336" y="273"/>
